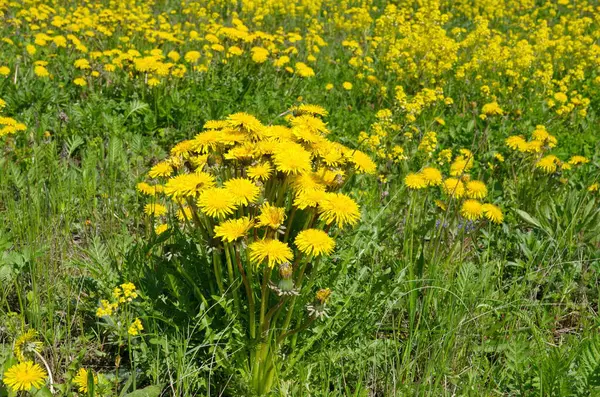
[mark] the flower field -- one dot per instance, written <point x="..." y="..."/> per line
<point x="299" y="198"/>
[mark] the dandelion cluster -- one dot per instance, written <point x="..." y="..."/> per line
<point x="263" y="201"/>
<point x="253" y="181"/>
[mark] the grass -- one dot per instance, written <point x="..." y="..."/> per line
<point x="425" y="302"/>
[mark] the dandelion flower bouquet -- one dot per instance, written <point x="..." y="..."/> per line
<point x="266" y="203"/>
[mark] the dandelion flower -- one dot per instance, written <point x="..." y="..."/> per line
<point x="492" y="109"/>
<point x="27" y="343"/>
<point x="311" y="109"/>
<point x="217" y="202"/>
<point x="363" y="163"/>
<point x="576" y="160"/>
<point x="245" y="122"/>
<point x="244" y="191"/>
<point x="493" y="213"/>
<point x="274" y="251"/>
<point x="81" y="380"/>
<point x="314" y="242"/>
<point x="233" y="229"/>
<point x="160" y="229"/>
<point x="309" y="198"/>
<point x="186" y="185"/>
<point x="460" y="166"/>
<point x="415" y="181"/>
<point x="432" y="176"/>
<point x="291" y="158"/>
<point x="155" y="209"/>
<point x="160" y="169"/>
<point x="471" y="210"/>
<point x="271" y="216"/>
<point x="548" y="164"/>
<point x="453" y="187"/>
<point x="476" y="189"/>
<point x="347" y="85"/>
<point x="516" y="142"/>
<point x="24" y="376"/>
<point x="260" y="171"/>
<point x="339" y="208"/>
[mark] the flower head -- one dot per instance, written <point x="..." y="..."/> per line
<point x="186" y="185"/>
<point x="261" y="171"/>
<point x="135" y="327"/>
<point x="81" y="380"/>
<point x="476" y="189"/>
<point x="453" y="187"/>
<point x="548" y="164"/>
<point x="271" y="216"/>
<point x="217" y="202"/>
<point x="24" y="376"/>
<point x="273" y="251"/>
<point x="232" y="229"/>
<point x="27" y="343"/>
<point x="415" y="181"/>
<point x="243" y="190"/>
<point x="471" y="209"/>
<point x="432" y="176"/>
<point x="493" y="213"/>
<point x="339" y="208"/>
<point x="314" y="242"/>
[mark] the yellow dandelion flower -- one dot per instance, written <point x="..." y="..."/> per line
<point x="415" y="181"/>
<point x="309" y="198"/>
<point x="548" y="164"/>
<point x="476" y="189"/>
<point x="291" y="158"/>
<point x="160" y="229"/>
<point x="245" y="122"/>
<point x="271" y="216"/>
<point x="186" y="185"/>
<point x="493" y="213"/>
<point x="80" y="81"/>
<point x="492" y="109"/>
<point x="149" y="190"/>
<point x="81" y="380"/>
<point x="339" y="208"/>
<point x="26" y="343"/>
<point x="24" y="376"/>
<point x="155" y="209"/>
<point x="216" y="202"/>
<point x="261" y="171"/>
<point x="594" y="187"/>
<point x="471" y="209"/>
<point x="311" y="109"/>
<point x="184" y="214"/>
<point x="363" y="163"/>
<point x="516" y="142"/>
<point x="160" y="169"/>
<point x="314" y="242"/>
<point x="347" y="85"/>
<point x="453" y="187"/>
<point x="273" y="251"/>
<point x="576" y="160"/>
<point x="233" y="229"/>
<point x="307" y="181"/>
<point x="243" y="190"/>
<point x="461" y="165"/>
<point x="432" y="176"/>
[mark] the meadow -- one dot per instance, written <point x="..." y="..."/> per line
<point x="299" y="198"/>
